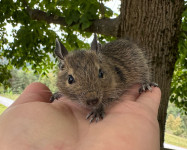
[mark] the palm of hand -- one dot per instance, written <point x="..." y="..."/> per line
<point x="36" y="124"/>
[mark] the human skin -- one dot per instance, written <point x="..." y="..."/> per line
<point x="32" y="123"/>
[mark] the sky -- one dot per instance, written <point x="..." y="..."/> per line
<point x="114" y="5"/>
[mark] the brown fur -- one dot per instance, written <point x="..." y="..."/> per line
<point x="122" y="62"/>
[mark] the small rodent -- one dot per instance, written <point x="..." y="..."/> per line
<point x="97" y="77"/>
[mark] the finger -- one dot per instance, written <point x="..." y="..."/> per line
<point x="34" y="92"/>
<point x="151" y="98"/>
<point x="131" y="94"/>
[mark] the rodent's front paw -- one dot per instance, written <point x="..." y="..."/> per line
<point x="96" y="114"/>
<point x="147" y="86"/>
<point x="56" y="96"/>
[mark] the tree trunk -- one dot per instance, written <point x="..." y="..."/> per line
<point x="155" y="24"/>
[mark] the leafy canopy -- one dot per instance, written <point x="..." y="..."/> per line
<point x="35" y="40"/>
<point x="179" y="80"/>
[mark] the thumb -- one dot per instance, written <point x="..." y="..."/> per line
<point x="151" y="99"/>
<point x="34" y="92"/>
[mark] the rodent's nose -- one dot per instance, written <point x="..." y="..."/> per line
<point x="92" y="102"/>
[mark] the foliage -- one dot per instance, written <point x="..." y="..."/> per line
<point x="184" y="125"/>
<point x="177" y="126"/>
<point x="175" y="140"/>
<point x="21" y="79"/>
<point x="172" y="109"/>
<point x="179" y="81"/>
<point x="176" y="121"/>
<point x="174" y="124"/>
<point x="2" y="108"/>
<point x="35" y="39"/>
<point x="4" y="74"/>
<point x="169" y="122"/>
<point x="10" y="95"/>
<point x="50" y="81"/>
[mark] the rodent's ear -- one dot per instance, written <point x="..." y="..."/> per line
<point x="60" y="50"/>
<point x="94" y="45"/>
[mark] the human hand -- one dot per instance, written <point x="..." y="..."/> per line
<point x="32" y="123"/>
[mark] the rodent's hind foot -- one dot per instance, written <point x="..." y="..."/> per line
<point x="147" y="86"/>
<point x="55" y="96"/>
<point x="96" y="114"/>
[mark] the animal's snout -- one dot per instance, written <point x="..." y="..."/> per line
<point x="92" y="102"/>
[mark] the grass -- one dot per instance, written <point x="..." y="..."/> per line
<point x="175" y="140"/>
<point x="10" y="96"/>
<point x="2" y="108"/>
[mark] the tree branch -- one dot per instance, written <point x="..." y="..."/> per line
<point x="105" y="26"/>
<point x="102" y="26"/>
<point x="39" y="15"/>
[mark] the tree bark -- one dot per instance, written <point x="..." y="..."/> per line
<point x="155" y="25"/>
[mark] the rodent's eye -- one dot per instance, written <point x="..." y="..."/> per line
<point x="100" y="73"/>
<point x="70" y="79"/>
